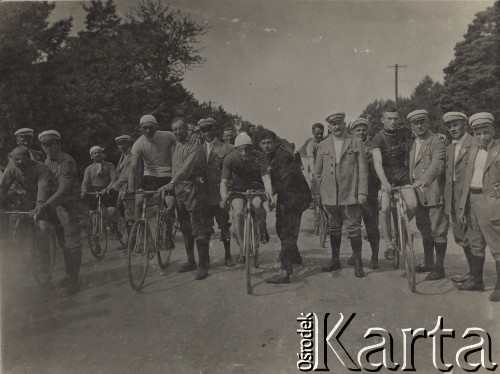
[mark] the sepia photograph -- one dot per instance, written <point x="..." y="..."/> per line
<point x="249" y="186"/>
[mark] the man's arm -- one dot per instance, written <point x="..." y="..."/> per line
<point x="192" y="162"/>
<point x="379" y="169"/>
<point x="65" y="182"/>
<point x="224" y="191"/>
<point x="135" y="162"/>
<point x="112" y="174"/>
<point x="44" y="184"/>
<point x="122" y="178"/>
<point x="7" y="181"/>
<point x="86" y="180"/>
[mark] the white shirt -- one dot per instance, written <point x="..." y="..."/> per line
<point x="418" y="145"/>
<point x="156" y="153"/>
<point x="479" y="163"/>
<point x="458" y="146"/>
<point x="338" y="143"/>
<point x="208" y="147"/>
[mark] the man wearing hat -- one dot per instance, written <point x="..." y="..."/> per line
<point x="124" y="144"/>
<point x="215" y="153"/>
<point x="24" y="137"/>
<point x="427" y="165"/>
<point x="480" y="201"/>
<point x="99" y="177"/>
<point x="341" y="185"/>
<point x="189" y="167"/>
<point x="369" y="210"/>
<point x="457" y="155"/>
<point x="294" y="197"/>
<point x="63" y="166"/>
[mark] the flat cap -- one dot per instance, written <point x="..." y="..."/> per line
<point x="96" y="148"/>
<point x="123" y="138"/>
<point x="24" y="131"/>
<point x="358" y="122"/>
<point x="148" y="118"/>
<point x="481" y="119"/>
<point x="204" y="122"/>
<point x="48" y="135"/>
<point x="417" y="115"/>
<point x="454" y="116"/>
<point x="335" y="116"/>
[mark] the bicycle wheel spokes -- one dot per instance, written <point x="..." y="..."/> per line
<point x="97" y="235"/>
<point x="138" y="255"/>
<point x="163" y="242"/>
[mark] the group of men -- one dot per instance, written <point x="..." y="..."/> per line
<point x="352" y="176"/>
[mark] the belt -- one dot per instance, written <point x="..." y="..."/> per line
<point x="476" y="190"/>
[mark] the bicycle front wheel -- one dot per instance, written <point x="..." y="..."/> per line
<point x="138" y="255"/>
<point x="248" y="240"/>
<point x="44" y="258"/>
<point x="409" y="255"/>
<point x="97" y="235"/>
<point x="163" y="242"/>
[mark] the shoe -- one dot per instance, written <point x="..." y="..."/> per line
<point x="390" y="253"/>
<point x="435" y="274"/>
<point x="495" y="296"/>
<point x="358" y="268"/>
<point x="334" y="264"/>
<point x="297" y="260"/>
<point x="278" y="279"/>
<point x="188" y="266"/>
<point x="71" y="288"/>
<point x="201" y="273"/>
<point x="228" y="261"/>
<point x="240" y="259"/>
<point x="471" y="285"/>
<point x="423" y="268"/>
<point x="373" y="263"/>
<point x="264" y="238"/>
<point x="461" y="278"/>
<point x="351" y="261"/>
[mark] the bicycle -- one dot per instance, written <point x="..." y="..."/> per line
<point x="250" y="235"/>
<point x="98" y="225"/>
<point x="44" y="262"/>
<point x="320" y="224"/>
<point x="140" y="252"/>
<point x="404" y="236"/>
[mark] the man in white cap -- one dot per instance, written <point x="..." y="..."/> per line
<point x="124" y="144"/>
<point x="427" y="171"/>
<point x="480" y="203"/>
<point x="369" y="210"/>
<point x="63" y="166"/>
<point x="99" y="177"/>
<point x="246" y="169"/>
<point x="457" y="157"/>
<point x="24" y="137"/>
<point x="390" y="147"/>
<point x="341" y="185"/>
<point x="215" y="153"/>
<point x="155" y="148"/>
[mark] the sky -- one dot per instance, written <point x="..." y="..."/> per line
<point x="287" y="64"/>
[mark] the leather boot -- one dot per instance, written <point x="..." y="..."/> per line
<point x="334" y="264"/>
<point x="476" y="283"/>
<point x="438" y="269"/>
<point x="203" y="246"/>
<point x="190" y="265"/>
<point x="495" y="296"/>
<point x="428" y="264"/>
<point x="461" y="278"/>
<point x="356" y="245"/>
<point x="228" y="260"/>
<point x="284" y="275"/>
<point x="374" y="245"/>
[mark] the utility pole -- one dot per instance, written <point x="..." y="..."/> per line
<point x="396" y="67"/>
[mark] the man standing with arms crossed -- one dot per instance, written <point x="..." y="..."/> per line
<point x="457" y="155"/>
<point x="341" y="185"/>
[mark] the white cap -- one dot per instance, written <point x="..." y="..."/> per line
<point x="24" y="131"/>
<point x="96" y="148"/>
<point x="148" y="118"/>
<point x="242" y="139"/>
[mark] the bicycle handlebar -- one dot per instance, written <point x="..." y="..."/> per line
<point x="20" y="212"/>
<point x="247" y="193"/>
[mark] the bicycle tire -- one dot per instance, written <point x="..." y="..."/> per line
<point x="94" y="236"/>
<point x="247" y="240"/>
<point x="163" y="247"/>
<point x="323" y="233"/>
<point x="138" y="255"/>
<point x="409" y="254"/>
<point x="42" y="274"/>
<point x="124" y="229"/>
<point x="397" y="241"/>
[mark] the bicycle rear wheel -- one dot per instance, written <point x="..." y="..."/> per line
<point x="163" y="243"/>
<point x="138" y="255"/>
<point x="409" y="255"/>
<point x="97" y="235"/>
<point x="44" y="258"/>
<point x="247" y="245"/>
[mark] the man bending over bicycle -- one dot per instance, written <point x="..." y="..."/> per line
<point x="98" y="177"/>
<point x="247" y="169"/>
<point x="390" y="147"/>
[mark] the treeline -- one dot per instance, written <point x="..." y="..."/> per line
<point x="95" y="84"/>
<point x="471" y="82"/>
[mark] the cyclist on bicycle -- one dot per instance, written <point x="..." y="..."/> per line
<point x="155" y="148"/>
<point x="98" y="177"/>
<point x="188" y="170"/>
<point x="246" y="169"/>
<point x="390" y="148"/>
<point x="294" y="197"/>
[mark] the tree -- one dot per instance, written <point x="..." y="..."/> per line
<point x="472" y="79"/>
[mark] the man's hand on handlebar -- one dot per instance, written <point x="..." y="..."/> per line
<point x="272" y="203"/>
